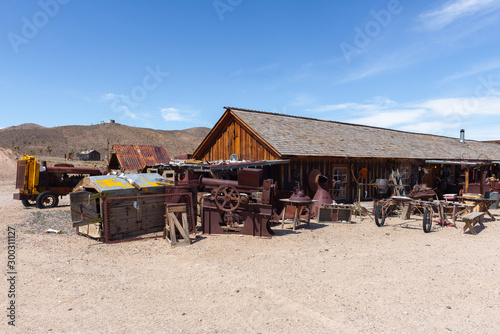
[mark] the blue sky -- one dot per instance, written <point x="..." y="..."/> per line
<point x="420" y="66"/>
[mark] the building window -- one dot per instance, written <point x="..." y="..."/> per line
<point x="340" y="177"/>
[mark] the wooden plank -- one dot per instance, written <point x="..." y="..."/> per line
<point x="237" y="134"/>
<point x="185" y="224"/>
<point x="473" y="215"/>
<point x="179" y="226"/>
<point x="177" y="208"/>
<point x="147" y="224"/>
<point x="173" y="235"/>
<point x="82" y="206"/>
<point x="243" y="149"/>
<point x="406" y="212"/>
<point x="87" y="222"/>
<point x="142" y="201"/>
<point x="230" y="140"/>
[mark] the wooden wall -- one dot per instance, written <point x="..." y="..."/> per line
<point x="235" y="139"/>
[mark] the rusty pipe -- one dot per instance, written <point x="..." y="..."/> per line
<point x="221" y="182"/>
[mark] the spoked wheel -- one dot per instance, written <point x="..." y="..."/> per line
<point x="47" y="199"/>
<point x="427" y="221"/>
<point x="227" y="198"/>
<point x="379" y="215"/>
<point x="28" y="202"/>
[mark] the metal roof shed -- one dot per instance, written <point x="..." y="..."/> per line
<point x="137" y="157"/>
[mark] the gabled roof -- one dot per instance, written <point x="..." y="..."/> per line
<point x="302" y="136"/>
<point x="138" y="157"/>
<point x="88" y="152"/>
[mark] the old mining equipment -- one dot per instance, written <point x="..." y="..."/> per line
<point x="244" y="206"/>
<point x="42" y="185"/>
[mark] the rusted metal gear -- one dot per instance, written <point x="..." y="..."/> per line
<point x="227" y="198"/>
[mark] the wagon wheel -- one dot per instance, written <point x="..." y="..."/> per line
<point x="47" y="199"/>
<point x="227" y="198"/>
<point x="427" y="221"/>
<point x="380" y="215"/>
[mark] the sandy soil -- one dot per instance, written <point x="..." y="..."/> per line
<point x="328" y="278"/>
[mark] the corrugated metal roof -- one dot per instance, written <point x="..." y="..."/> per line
<point x="302" y="136"/>
<point x="138" y="157"/>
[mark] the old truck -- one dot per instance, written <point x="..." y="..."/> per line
<point x="41" y="185"/>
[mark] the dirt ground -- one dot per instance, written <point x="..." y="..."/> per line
<point x="328" y="278"/>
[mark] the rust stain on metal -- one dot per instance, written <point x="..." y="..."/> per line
<point x="138" y="157"/>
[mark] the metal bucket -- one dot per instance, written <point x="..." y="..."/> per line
<point x="382" y="185"/>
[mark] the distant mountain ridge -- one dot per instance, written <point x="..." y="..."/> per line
<point x="30" y="138"/>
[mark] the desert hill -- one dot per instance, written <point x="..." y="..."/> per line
<point x="24" y="126"/>
<point x="37" y="140"/>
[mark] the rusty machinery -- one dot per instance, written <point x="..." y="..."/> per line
<point x="42" y="185"/>
<point x="244" y="206"/>
<point x="320" y="184"/>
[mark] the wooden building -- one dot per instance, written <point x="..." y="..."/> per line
<point x="341" y="151"/>
<point x="89" y="155"/>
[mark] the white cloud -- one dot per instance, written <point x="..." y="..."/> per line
<point x="444" y="116"/>
<point x="334" y="107"/>
<point x="469" y="106"/>
<point x="436" y="127"/>
<point x="455" y="10"/>
<point x="171" y="114"/>
<point x="390" y="118"/>
<point x="112" y="96"/>
<point x="378" y="103"/>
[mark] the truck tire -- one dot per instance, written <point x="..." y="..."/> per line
<point x="47" y="199"/>
<point x="28" y="202"/>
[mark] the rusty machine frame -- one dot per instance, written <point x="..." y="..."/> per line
<point x="244" y="206"/>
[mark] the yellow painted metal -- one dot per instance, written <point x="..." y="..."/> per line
<point x="110" y="183"/>
<point x="32" y="175"/>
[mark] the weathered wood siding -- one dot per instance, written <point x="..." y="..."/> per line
<point x="235" y="139"/>
<point x="127" y="221"/>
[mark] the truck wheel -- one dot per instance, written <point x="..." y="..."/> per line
<point x="47" y="199"/>
<point x="28" y="202"/>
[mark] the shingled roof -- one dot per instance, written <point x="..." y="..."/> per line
<point x="302" y="136"/>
